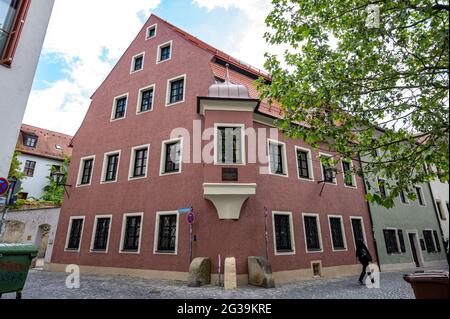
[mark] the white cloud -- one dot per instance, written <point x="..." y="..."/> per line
<point x="250" y="43"/>
<point x="79" y="32"/>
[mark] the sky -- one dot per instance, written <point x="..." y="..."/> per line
<point x="78" y="53"/>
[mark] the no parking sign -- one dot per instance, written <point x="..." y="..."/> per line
<point x="4" y="185"/>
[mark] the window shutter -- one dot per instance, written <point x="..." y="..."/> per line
<point x="402" y="241"/>
<point x="14" y="36"/>
<point x="436" y="239"/>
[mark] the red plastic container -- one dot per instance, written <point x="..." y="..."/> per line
<point x="429" y="285"/>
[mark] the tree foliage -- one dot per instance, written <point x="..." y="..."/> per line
<point x="378" y="93"/>
<point x="53" y="192"/>
<point x="14" y="169"/>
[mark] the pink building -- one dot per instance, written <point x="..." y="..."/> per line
<point x="137" y="159"/>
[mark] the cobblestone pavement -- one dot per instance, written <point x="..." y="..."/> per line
<point x="42" y="284"/>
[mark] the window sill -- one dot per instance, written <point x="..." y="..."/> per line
<point x="129" y="251"/>
<point x="159" y="252"/>
<point x="99" y="251"/>
<point x="132" y="178"/>
<point x="170" y="173"/>
<point x="68" y="250"/>
<point x="136" y="71"/>
<point x="117" y="119"/>
<point x="174" y="103"/>
<point x="162" y="61"/>
<point x="306" y="179"/>
<point x="144" y="112"/>
<point x="312" y="251"/>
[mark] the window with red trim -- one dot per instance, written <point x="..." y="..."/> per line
<point x="12" y="19"/>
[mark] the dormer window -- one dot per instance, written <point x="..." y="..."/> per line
<point x="164" y="52"/>
<point x="151" y="32"/>
<point x="137" y="63"/>
<point x="30" y="140"/>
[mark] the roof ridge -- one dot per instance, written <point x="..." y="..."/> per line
<point x="44" y="129"/>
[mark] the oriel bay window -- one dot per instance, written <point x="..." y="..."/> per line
<point x="139" y="162"/>
<point x="171" y="157"/>
<point x="229" y="145"/>
<point x="277" y="158"/>
<point x="283" y="233"/>
<point x="167" y="232"/>
<point x="101" y="233"/>
<point x="74" y="233"/>
<point x="131" y="233"/>
<point x="312" y="233"/>
<point x="337" y="233"/>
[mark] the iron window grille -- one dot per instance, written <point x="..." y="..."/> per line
<point x="101" y="234"/>
<point x="390" y="238"/>
<point x="138" y="63"/>
<point x="75" y="234"/>
<point x="420" y="196"/>
<point x="348" y="174"/>
<point x="303" y="164"/>
<point x="283" y="233"/>
<point x="167" y="233"/>
<point x="229" y="145"/>
<point x="176" y="91"/>
<point x="336" y="233"/>
<point x="30" y="140"/>
<point x="276" y="158"/>
<point x="312" y="233"/>
<point x="165" y="53"/>
<point x="121" y="105"/>
<point x="140" y="162"/>
<point x="146" y="100"/>
<point x="172" y="157"/>
<point x="132" y="232"/>
<point x="87" y="171"/>
<point x="401" y="240"/>
<point x="30" y="166"/>
<point x="111" y="167"/>
<point x="357" y="230"/>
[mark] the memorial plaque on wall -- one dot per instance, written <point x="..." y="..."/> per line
<point x="229" y="174"/>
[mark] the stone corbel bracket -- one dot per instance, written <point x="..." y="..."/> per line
<point x="228" y="198"/>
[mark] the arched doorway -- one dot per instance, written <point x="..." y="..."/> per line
<point x="14" y="232"/>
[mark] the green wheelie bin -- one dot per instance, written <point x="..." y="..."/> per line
<point x="15" y="260"/>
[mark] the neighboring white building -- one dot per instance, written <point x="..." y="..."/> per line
<point x="40" y="150"/>
<point x="441" y="198"/>
<point x="23" y="25"/>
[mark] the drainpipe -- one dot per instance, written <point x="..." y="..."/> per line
<point x="370" y="214"/>
<point x="438" y="220"/>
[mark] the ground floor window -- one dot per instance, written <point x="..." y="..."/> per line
<point x="75" y="233"/>
<point x="337" y="233"/>
<point x="101" y="234"/>
<point x="390" y="238"/>
<point x="282" y="233"/>
<point x="312" y="233"/>
<point x="431" y="239"/>
<point x="132" y="233"/>
<point x="358" y="232"/>
<point x="167" y="233"/>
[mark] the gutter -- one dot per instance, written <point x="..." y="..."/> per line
<point x="370" y="214"/>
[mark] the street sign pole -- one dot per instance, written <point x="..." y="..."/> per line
<point x="266" y="235"/>
<point x="190" y="244"/>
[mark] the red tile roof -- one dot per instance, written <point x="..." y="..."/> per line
<point x="46" y="143"/>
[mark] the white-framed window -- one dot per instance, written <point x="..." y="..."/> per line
<point x="337" y="233"/>
<point x="171" y="157"/>
<point x="348" y="171"/>
<point x="166" y="233"/>
<point x="164" y="52"/>
<point x="119" y="108"/>
<point x="229" y="144"/>
<point x="151" y="32"/>
<point x="85" y="171"/>
<point x="110" y="168"/>
<point x="441" y="210"/>
<point x="137" y="63"/>
<point x="328" y="171"/>
<point x="277" y="158"/>
<point x="403" y="197"/>
<point x="312" y="232"/>
<point x="283" y="233"/>
<point x="358" y="230"/>
<point x="101" y="233"/>
<point x="130" y="239"/>
<point x="176" y="90"/>
<point x="146" y="99"/>
<point x="139" y="162"/>
<point x="420" y="196"/>
<point x="305" y="169"/>
<point x="74" y="234"/>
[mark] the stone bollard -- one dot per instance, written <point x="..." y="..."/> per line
<point x="200" y="272"/>
<point x="230" y="276"/>
<point x="260" y="272"/>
